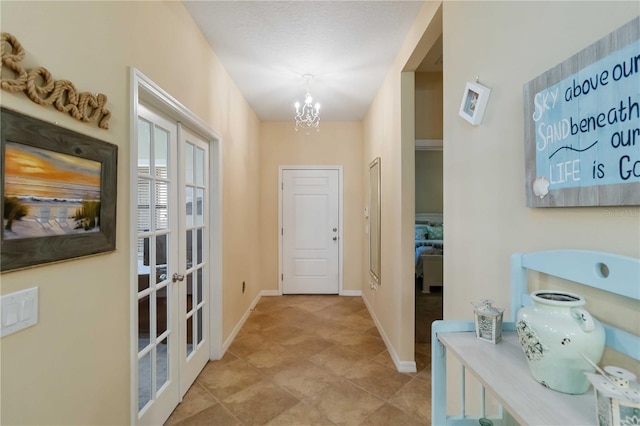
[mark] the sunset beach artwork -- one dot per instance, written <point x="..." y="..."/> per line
<point x="48" y="193"/>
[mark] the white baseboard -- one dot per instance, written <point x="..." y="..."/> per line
<point x="240" y="324"/>
<point x="357" y="293"/>
<point x="401" y="366"/>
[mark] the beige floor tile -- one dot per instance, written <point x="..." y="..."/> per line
<point x="257" y="322"/>
<point x="345" y="404"/>
<point x="303" y="378"/>
<point x="282" y="332"/>
<point x="388" y="415"/>
<point x="360" y="321"/>
<point x="228" y="378"/>
<point x="425" y="375"/>
<point x="366" y="345"/>
<point x="306" y="345"/>
<point x="337" y="360"/>
<point x="271" y="358"/>
<point x="414" y="398"/>
<point x="339" y="310"/>
<point x="309" y="360"/>
<point x="246" y="344"/>
<point x="215" y="415"/>
<point x="315" y="304"/>
<point x="422" y="361"/>
<point x="346" y="336"/>
<point x="385" y="359"/>
<point x="301" y="414"/>
<point x="259" y="403"/>
<point x="195" y="400"/>
<point x="376" y="378"/>
<point x="374" y="332"/>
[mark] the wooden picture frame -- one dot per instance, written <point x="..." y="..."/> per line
<point x="58" y="193"/>
<point x="474" y="102"/>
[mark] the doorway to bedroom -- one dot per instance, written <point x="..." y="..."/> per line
<point x="429" y="227"/>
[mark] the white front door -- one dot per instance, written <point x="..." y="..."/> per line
<point x="310" y="234"/>
<point x="173" y="263"/>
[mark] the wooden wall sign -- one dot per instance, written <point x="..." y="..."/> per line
<point x="582" y="126"/>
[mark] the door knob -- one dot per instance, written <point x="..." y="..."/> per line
<point x="177" y="277"/>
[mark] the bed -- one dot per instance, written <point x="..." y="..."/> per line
<point x="429" y="249"/>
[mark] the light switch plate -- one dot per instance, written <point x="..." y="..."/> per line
<point x="18" y="310"/>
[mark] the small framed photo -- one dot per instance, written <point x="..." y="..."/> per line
<point x="474" y="102"/>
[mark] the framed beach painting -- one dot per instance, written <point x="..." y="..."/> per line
<point x="58" y="193"/>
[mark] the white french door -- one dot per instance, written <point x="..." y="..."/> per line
<point x="311" y="229"/>
<point x="173" y="263"/>
<point x="194" y="226"/>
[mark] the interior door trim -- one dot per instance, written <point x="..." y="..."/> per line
<point x="340" y="219"/>
<point x="144" y="90"/>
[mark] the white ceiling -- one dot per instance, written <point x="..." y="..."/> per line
<point x="267" y="46"/>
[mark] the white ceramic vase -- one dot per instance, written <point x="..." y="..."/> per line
<point x="554" y="331"/>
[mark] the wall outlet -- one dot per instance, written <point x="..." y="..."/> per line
<point x="243" y="286"/>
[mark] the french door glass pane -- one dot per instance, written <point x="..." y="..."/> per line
<point x="199" y="286"/>
<point x="144" y="146"/>
<point x="189" y="205"/>
<point x="162" y="363"/>
<point x="161" y="208"/>
<point x="161" y="158"/>
<point x="189" y="247"/>
<point x="188" y="163"/>
<point x="199" y="166"/>
<point x="162" y="313"/>
<point x="144" y="205"/>
<point x="198" y="246"/>
<point x="144" y="380"/>
<point x="144" y="331"/>
<point x="189" y="335"/>
<point x="199" y="207"/>
<point x="199" y="326"/>
<point x="162" y="257"/>
<point x="143" y="264"/>
<point x="189" y="292"/>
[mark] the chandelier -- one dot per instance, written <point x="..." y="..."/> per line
<point x="308" y="117"/>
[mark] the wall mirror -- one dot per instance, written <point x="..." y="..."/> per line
<point x="374" y="219"/>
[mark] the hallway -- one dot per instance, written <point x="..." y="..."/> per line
<point x="308" y="360"/>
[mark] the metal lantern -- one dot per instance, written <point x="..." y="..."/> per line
<point x="617" y="397"/>
<point x="488" y="321"/>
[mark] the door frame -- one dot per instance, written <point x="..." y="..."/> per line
<point x="281" y="170"/>
<point x="144" y="90"/>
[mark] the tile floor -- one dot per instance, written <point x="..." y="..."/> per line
<point x="308" y="360"/>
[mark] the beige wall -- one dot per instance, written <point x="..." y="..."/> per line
<point x="389" y="132"/>
<point x="429" y="181"/>
<point x="337" y="144"/>
<point x="73" y="366"/>
<point x="484" y="197"/>
<point x="428" y="105"/>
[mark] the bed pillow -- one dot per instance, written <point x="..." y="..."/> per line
<point x="421" y="232"/>
<point x="435" y="232"/>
